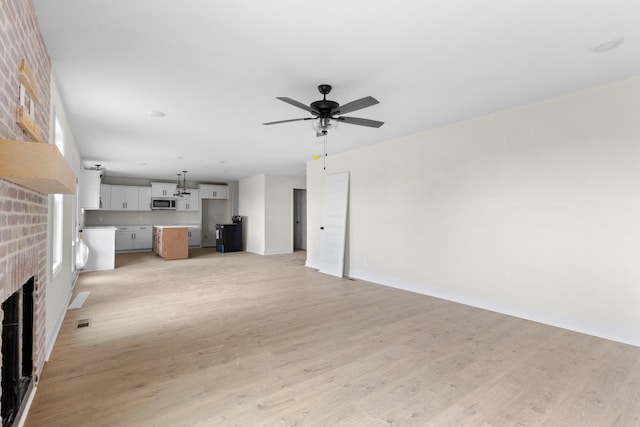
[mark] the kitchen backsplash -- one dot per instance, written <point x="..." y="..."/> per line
<point x="93" y="218"/>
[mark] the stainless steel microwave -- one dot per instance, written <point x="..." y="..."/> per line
<point x="163" y="203"/>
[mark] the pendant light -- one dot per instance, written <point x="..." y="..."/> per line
<point x="181" y="187"/>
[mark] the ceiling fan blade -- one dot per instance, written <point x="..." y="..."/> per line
<point x="358" y="104"/>
<point x="298" y="104"/>
<point x="287" y="121"/>
<point x="360" y="122"/>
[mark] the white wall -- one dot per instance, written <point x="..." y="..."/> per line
<point x="60" y="284"/>
<point x="532" y="212"/>
<point x="252" y="208"/>
<point x="266" y="205"/>
<point x="279" y="213"/>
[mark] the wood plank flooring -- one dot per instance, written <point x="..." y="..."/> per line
<point x="238" y="339"/>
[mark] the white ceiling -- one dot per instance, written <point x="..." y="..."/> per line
<point x="215" y="67"/>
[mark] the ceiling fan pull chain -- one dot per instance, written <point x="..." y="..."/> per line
<point x="324" y="159"/>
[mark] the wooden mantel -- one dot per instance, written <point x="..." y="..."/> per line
<point x="37" y="166"/>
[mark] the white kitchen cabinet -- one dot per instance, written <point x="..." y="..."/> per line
<point x="133" y="237"/>
<point x="124" y="198"/>
<point x="89" y="197"/>
<point x="130" y="198"/>
<point x="105" y="197"/>
<point x="162" y="189"/>
<point x="142" y="237"/>
<point x="190" y="204"/>
<point x="211" y="191"/>
<point x="124" y="239"/>
<point x="144" y="198"/>
<point x="195" y="236"/>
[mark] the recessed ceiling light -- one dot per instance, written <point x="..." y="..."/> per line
<point x="156" y="113"/>
<point x="607" y="45"/>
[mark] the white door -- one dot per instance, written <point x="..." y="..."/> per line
<point x="334" y="224"/>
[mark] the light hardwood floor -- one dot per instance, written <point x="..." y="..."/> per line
<point x="239" y="339"/>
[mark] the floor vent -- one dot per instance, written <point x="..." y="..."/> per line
<point x="84" y="323"/>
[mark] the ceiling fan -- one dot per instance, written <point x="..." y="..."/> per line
<point x="328" y="113"/>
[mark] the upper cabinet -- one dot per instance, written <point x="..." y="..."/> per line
<point x="209" y="191"/>
<point x="129" y="198"/>
<point x="162" y="189"/>
<point x="137" y="198"/>
<point x="105" y="197"/>
<point x="144" y="198"/>
<point x="124" y="198"/>
<point x="89" y="197"/>
<point x="190" y="204"/>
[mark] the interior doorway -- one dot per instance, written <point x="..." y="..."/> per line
<point x="214" y="211"/>
<point x="299" y="219"/>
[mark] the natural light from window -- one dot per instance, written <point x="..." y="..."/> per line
<point x="59" y="137"/>
<point x="57" y="211"/>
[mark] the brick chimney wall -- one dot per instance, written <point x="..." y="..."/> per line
<point x="23" y="212"/>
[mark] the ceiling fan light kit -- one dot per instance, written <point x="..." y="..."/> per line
<point x="323" y="125"/>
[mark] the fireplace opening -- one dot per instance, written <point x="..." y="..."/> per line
<point x="17" y="351"/>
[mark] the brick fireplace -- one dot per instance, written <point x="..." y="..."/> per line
<point x="23" y="252"/>
<point x="23" y="255"/>
<point x="23" y="212"/>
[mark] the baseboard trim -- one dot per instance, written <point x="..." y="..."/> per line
<point x="279" y="252"/>
<point x="460" y="299"/>
<point x="25" y="409"/>
<point x="51" y="340"/>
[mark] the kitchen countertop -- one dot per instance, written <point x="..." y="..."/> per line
<point x="100" y="227"/>
<point x="171" y="226"/>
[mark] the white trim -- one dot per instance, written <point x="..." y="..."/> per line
<point x="51" y="339"/>
<point x="279" y="251"/>
<point x="27" y="406"/>
<point x="497" y="308"/>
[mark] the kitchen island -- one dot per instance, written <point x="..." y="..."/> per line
<point x="171" y="241"/>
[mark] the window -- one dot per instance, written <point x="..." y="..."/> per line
<point x="58" y="215"/>
<point x="57" y="212"/>
<point x="59" y="137"/>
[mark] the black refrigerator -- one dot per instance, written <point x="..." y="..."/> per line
<point x="229" y="237"/>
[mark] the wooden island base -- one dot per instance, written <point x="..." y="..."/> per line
<point x="171" y="242"/>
